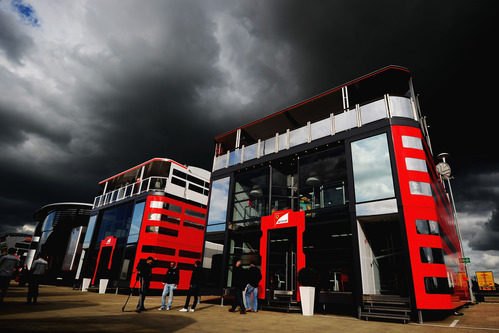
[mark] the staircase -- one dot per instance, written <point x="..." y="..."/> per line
<point x="386" y="307"/>
<point x="283" y="303"/>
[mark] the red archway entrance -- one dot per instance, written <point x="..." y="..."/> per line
<point x="281" y="249"/>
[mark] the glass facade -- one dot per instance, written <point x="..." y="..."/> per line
<point x="138" y="213"/>
<point x="372" y="171"/>
<point x="218" y="205"/>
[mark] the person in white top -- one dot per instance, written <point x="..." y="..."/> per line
<point x="9" y="264"/>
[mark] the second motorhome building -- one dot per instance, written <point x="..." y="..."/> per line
<point x="344" y="182"/>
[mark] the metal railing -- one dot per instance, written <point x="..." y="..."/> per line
<point x="385" y="107"/>
<point x="149" y="184"/>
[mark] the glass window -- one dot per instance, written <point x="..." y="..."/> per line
<point x="216" y="227"/>
<point x="372" y="171"/>
<point x="412" y="142"/>
<point x="430" y="255"/>
<point x="193" y="225"/>
<point x="323" y="179"/>
<point x="437" y="285"/>
<point x="90" y="231"/>
<point x="194" y="213"/>
<point x="251" y="194"/>
<point x="189" y="254"/>
<point x="138" y="213"/>
<point x="115" y="222"/>
<point x="415" y="164"/>
<point x="427" y="227"/>
<point x="178" y="182"/>
<point x="422" y="227"/>
<point x="376" y="207"/>
<point x="219" y="196"/>
<point x="196" y="188"/>
<point x="420" y="188"/>
<point x="284" y="184"/>
<point x="164" y="218"/>
<point x="179" y="174"/>
<point x="49" y="219"/>
<point x="161" y="230"/>
<point x="165" y="205"/>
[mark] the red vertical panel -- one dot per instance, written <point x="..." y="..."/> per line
<point x="426" y="208"/>
<point x="188" y="239"/>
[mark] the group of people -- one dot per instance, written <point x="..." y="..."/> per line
<point x="243" y="281"/>
<point x="9" y="266"/>
<point x="170" y="282"/>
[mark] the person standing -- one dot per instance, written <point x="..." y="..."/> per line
<point x="254" y="278"/>
<point x="239" y="282"/>
<point x="144" y="269"/>
<point x="35" y="276"/>
<point x="9" y="264"/>
<point x="170" y="281"/>
<point x="194" y="284"/>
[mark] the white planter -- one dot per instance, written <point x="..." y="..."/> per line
<point x="84" y="285"/>
<point x="307" y="295"/>
<point x="103" y="286"/>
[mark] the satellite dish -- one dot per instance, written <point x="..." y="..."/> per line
<point x="444" y="170"/>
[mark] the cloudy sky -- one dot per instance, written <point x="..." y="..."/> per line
<point x="89" y="88"/>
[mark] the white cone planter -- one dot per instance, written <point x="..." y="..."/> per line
<point x="84" y="285"/>
<point x="103" y="286"/>
<point x="307" y="295"/>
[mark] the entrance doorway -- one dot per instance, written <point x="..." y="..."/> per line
<point x="281" y="250"/>
<point x="282" y="261"/>
<point x="381" y="256"/>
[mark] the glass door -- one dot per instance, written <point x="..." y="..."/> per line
<point x="281" y="269"/>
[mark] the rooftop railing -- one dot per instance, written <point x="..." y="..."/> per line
<point x="386" y="107"/>
<point x="159" y="184"/>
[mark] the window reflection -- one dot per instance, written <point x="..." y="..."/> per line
<point x="251" y="195"/>
<point x="323" y="180"/>
<point x="217" y="212"/>
<point x="372" y="171"/>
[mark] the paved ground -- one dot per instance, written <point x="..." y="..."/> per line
<point x="62" y="309"/>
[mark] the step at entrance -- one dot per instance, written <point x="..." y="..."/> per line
<point x="283" y="303"/>
<point x="386" y="307"/>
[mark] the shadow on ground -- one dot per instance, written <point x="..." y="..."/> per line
<point x="127" y="322"/>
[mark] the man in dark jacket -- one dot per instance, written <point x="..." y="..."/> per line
<point x="36" y="275"/>
<point x="144" y="269"/>
<point x="239" y="282"/>
<point x="254" y="278"/>
<point x="194" y="287"/>
<point x="170" y="280"/>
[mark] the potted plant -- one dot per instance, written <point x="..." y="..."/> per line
<point x="307" y="278"/>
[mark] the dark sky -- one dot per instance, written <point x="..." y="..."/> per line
<point x="90" y="89"/>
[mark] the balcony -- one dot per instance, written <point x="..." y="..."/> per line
<point x="386" y="107"/>
<point x="157" y="184"/>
